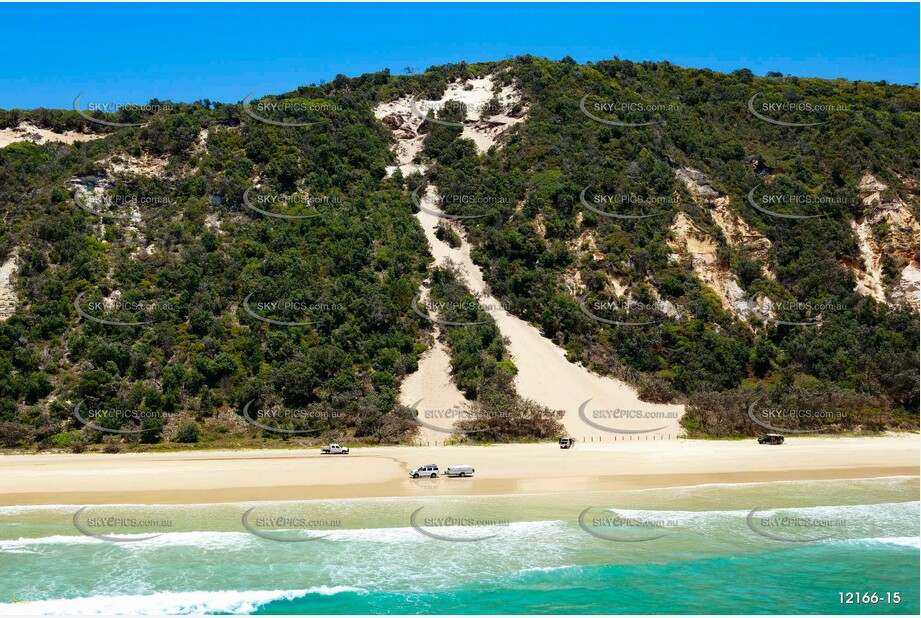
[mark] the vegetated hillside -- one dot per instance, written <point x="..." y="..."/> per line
<point x="715" y="276"/>
<point x="180" y="251"/>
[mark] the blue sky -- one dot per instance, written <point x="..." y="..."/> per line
<point x="130" y="53"/>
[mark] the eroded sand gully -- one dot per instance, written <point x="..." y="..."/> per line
<point x="901" y="243"/>
<point x="544" y="374"/>
<point x="8" y="298"/>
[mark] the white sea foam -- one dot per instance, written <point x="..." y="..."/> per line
<point x="908" y="541"/>
<point x="239" y="540"/>
<point x="66" y="539"/>
<point x="876" y="511"/>
<point x="36" y="508"/>
<point x="904" y="541"/>
<point x="865" y="519"/>
<point x="203" y="540"/>
<point x="857" y="522"/>
<point x="549" y="569"/>
<point x="519" y="530"/>
<point x="196" y="602"/>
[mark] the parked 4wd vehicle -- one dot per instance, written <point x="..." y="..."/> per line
<point x="771" y="438"/>
<point x="430" y="470"/>
<point x="334" y="449"/>
<point x="567" y="442"/>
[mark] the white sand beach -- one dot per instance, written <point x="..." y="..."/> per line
<point x="301" y="474"/>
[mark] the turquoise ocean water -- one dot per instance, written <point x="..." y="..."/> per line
<point x="681" y="550"/>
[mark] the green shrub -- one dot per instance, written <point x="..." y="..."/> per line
<point x="66" y="439"/>
<point x="448" y="235"/>
<point x="188" y="433"/>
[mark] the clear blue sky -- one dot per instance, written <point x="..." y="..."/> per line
<point x="134" y="52"/>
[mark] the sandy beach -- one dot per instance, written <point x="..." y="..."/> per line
<point x="230" y="476"/>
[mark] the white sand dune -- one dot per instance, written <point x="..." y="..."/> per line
<point x="27" y="132"/>
<point x="544" y="374"/>
<point x="474" y="95"/>
<point x="7" y="293"/>
<point x="432" y="388"/>
<point x="409" y="141"/>
<point x="431" y="385"/>
<point x="432" y="392"/>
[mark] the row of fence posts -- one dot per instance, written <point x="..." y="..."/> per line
<point x="591" y="439"/>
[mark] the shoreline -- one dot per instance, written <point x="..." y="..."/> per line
<point x="209" y="477"/>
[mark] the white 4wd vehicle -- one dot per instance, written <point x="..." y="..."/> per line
<point x="334" y="449"/>
<point x="430" y="470"/>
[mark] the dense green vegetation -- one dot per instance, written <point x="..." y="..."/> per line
<point x="863" y="347"/>
<point x="354" y="268"/>
<point x="790" y="404"/>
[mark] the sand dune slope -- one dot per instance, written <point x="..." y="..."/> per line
<point x="610" y="410"/>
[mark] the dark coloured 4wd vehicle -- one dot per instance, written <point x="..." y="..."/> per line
<point x="567" y="442"/>
<point x="771" y="438"/>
